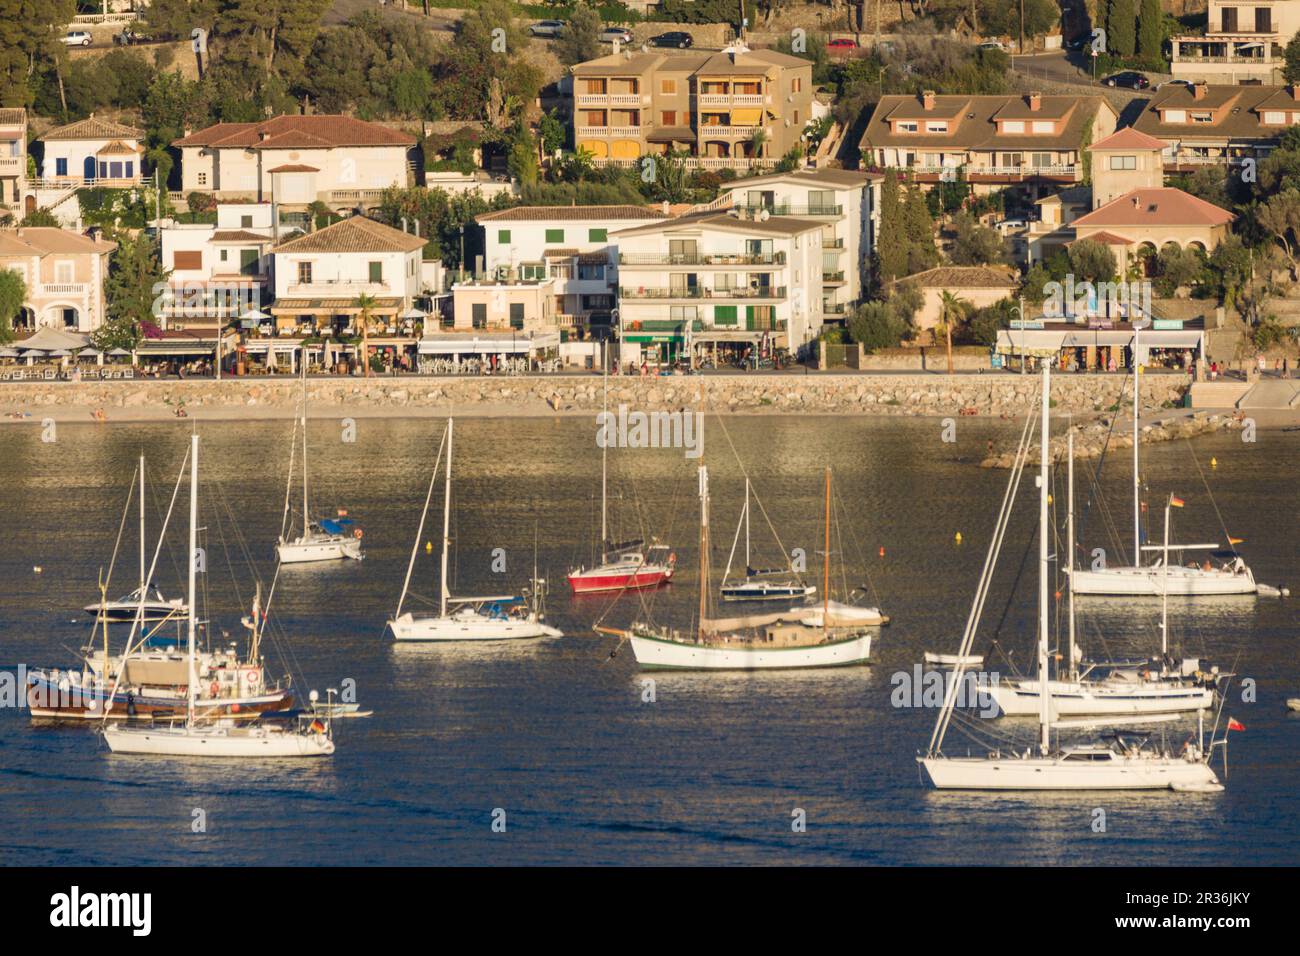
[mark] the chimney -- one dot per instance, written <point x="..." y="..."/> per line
<point x="1200" y="91"/>
<point x="666" y="207"/>
<point x="1035" y="101"/>
<point x="1295" y="91"/>
<point x="927" y="100"/>
<point x="263" y="136"/>
<point x="1135" y="202"/>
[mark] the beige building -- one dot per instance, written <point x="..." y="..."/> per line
<point x="1125" y="161"/>
<point x="296" y="160"/>
<point x="1142" y="222"/>
<point x="1218" y="125"/>
<point x="13" y="161"/>
<point x="730" y="108"/>
<point x="1242" y="43"/>
<point x="492" y="305"/>
<point x="1034" y="141"/>
<point x="64" y="273"/>
<point x="977" y="286"/>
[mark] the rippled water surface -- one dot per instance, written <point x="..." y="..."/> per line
<point x="556" y="732"/>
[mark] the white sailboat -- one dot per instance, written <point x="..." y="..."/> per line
<point x="1223" y="572"/>
<point x="197" y="736"/>
<point x="494" y="618"/>
<point x="770" y="584"/>
<point x="757" y="642"/>
<point x="1153" y="687"/>
<point x="329" y="539"/>
<point x="1120" y="763"/>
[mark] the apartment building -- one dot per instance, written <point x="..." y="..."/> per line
<point x="1208" y="124"/>
<point x="846" y="202"/>
<point x="729" y="108"/>
<point x="719" y="284"/>
<point x="569" y="245"/>
<point x="64" y="273"/>
<point x="218" y="270"/>
<point x="1032" y="141"/>
<point x="93" y="152"/>
<point x="1242" y="43"/>
<point x="13" y="161"/>
<point x="294" y="161"/>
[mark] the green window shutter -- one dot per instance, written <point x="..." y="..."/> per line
<point x="724" y="315"/>
<point x="554" y="235"/>
<point x="503" y="236"/>
<point x="597" y="235"/>
<point x="516" y="315"/>
<point x="376" y="272"/>
<point x="749" y="318"/>
<point x="247" y="261"/>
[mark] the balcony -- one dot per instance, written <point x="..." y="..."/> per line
<point x="833" y="245"/>
<point x="12" y="166"/>
<point x="718" y="131"/>
<point x="974" y="174"/>
<point x="634" y="131"/>
<point x="337" y="289"/>
<point x="650" y="259"/>
<point x="354" y="196"/>
<point x="791" y="209"/>
<point x="732" y="99"/>
<point x="699" y="292"/>
<point x="612" y="99"/>
<point x="64" y="288"/>
<point x="832" y="278"/>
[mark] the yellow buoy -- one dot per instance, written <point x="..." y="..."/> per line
<point x="428" y="546"/>
<point x="958" y="537"/>
<point x="1214" y="463"/>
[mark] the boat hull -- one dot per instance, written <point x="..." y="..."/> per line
<point x="1074" y="699"/>
<point x="307" y="551"/>
<point x="50" y="700"/>
<point x="447" y="629"/>
<point x="125" y="611"/>
<point x="654" y="653"/>
<point x="596" y="580"/>
<point x="1054" y="773"/>
<point x="180" y="741"/>
<point x="1151" y="582"/>
<point x="743" y="592"/>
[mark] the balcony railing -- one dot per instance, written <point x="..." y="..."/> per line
<point x="699" y="292"/>
<point x="731" y="99"/>
<point x="335" y="288"/>
<point x="1025" y="171"/>
<point x="610" y="130"/>
<point x="715" y="131"/>
<point x="65" y="288"/>
<point x="355" y="195"/>
<point x="836" y="245"/>
<point x="834" y="278"/>
<point x="791" y="209"/>
<point x="650" y="259"/>
<point x="12" y="166"/>
<point x="611" y="99"/>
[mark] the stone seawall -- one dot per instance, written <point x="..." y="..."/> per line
<point x="816" y="393"/>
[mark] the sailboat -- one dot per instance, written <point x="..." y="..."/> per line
<point x="773" y="641"/>
<point x="626" y="565"/>
<point x="1159" y="686"/>
<point x="1119" y="762"/>
<point x="494" y="618"/>
<point x="771" y="584"/>
<point x="328" y="539"/>
<point x="203" y="735"/>
<point x="1223" y="572"/>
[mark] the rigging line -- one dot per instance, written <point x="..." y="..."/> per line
<point x="1206" y="484"/>
<point x="112" y="561"/>
<point x="785" y="554"/>
<point x="419" y="531"/>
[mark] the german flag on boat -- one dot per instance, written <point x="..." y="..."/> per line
<point x="1175" y="501"/>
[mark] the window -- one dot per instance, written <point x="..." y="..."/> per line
<point x="554" y="235"/>
<point x="936" y="126"/>
<point x="1013" y="126"/>
<point x="376" y="272"/>
<point x="203" y="179"/>
<point x="532" y="270"/>
<point x="1199" y="117"/>
<point x="591" y="271"/>
<point x="1175" y="116"/>
<point x="668" y="87"/>
<point x="1043" y="126"/>
<point x="130" y="169"/>
<point x="1123" y="162"/>
<point x="187" y="260"/>
<point x="796" y="117"/>
<point x="503" y="237"/>
<point x="683" y="313"/>
<point x="516" y="315"/>
<point x="248" y="262"/>
<point x="61" y="166"/>
<point x="64" y="273"/>
<point x="304" y="273"/>
<point x="796" y="85"/>
<point x="245" y="222"/>
<point x="724" y="315"/>
<point x="907" y="126"/>
<point x="1273" y="118"/>
<point x="668" y="118"/>
<point x="597" y="235"/>
<point x="478" y="316"/>
<point x="224" y="254"/>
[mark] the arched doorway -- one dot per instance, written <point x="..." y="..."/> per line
<point x="88" y="169"/>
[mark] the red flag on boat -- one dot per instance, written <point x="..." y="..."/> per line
<point x="1235" y="725"/>
<point x="317" y="727"/>
<point x="1175" y="501"/>
<point x="343" y="512"/>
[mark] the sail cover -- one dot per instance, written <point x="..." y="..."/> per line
<point x="335" y="525"/>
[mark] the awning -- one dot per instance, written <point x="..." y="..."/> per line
<point x="1038" y="342"/>
<point x="488" y="343"/>
<point x="653" y="337"/>
<point x="336" y="306"/>
<point x="258" y="346"/>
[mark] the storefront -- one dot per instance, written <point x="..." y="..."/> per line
<point x="1098" y="349"/>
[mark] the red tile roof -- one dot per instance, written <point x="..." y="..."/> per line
<point x="1164" y="206"/>
<point x="1129" y="138"/>
<point x="297" y="132"/>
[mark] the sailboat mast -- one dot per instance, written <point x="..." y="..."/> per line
<point x="1164" y="588"/>
<point x="826" y="560"/>
<point x="446" y="523"/>
<point x="604" y="467"/>
<point x="1044" y="568"/>
<point x="306" y="519"/>
<point x="142" y="557"/>
<point x="704" y="544"/>
<point x="1069" y="545"/>
<point x="1137" y="440"/>
<point x="191" y="621"/>
<point x="748" y="565"/>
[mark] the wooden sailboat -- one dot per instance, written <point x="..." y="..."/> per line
<point x="206" y="736"/>
<point x="1117" y="763"/>
<point x="772" y="641"/>
<point x="329" y="539"/>
<point x="492" y="618"/>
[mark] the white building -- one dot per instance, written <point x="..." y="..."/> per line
<point x="570" y="244"/>
<point x="13" y="161"/>
<point x="92" y="152"/>
<point x="717" y="283"/>
<point x="846" y="203"/>
<point x="319" y="277"/>
<point x="296" y="160"/>
<point x="219" y="270"/>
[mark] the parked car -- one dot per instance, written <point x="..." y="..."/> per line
<point x="1168" y="83"/>
<point x="1009" y="226"/>
<point x="546" y="28"/>
<point x="77" y="38"/>
<point x="842" y="45"/>
<point x="612" y="34"/>
<point x="128" y="37"/>
<point x="1129" y="79"/>
<point x="673" y="38"/>
<point x="992" y="45"/>
<point x="1082" y="42"/>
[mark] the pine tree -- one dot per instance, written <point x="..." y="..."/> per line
<point x="29" y="45"/>
<point x="918" y="226"/>
<point x="130" y="291"/>
<point x="1151" y="30"/>
<point x="1121" y="34"/>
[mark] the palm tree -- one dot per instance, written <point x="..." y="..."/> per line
<point x="365" y="303"/>
<point x="952" y="310"/>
